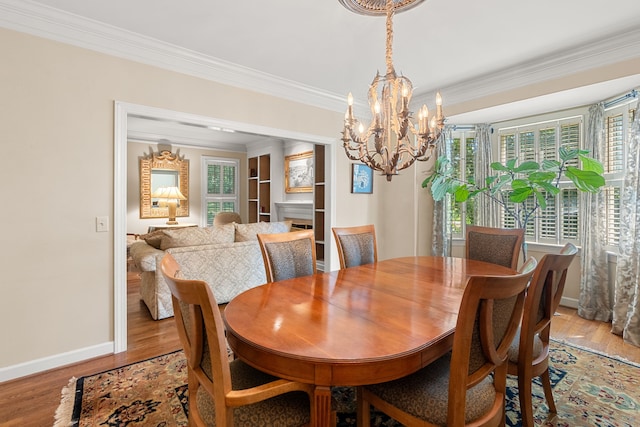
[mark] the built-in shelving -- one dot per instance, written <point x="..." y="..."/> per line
<point x="260" y="188"/>
<point x="319" y="204"/>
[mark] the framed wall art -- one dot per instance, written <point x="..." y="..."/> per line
<point x="361" y="179"/>
<point x="298" y="173"/>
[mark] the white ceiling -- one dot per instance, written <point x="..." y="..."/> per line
<point x="321" y="51"/>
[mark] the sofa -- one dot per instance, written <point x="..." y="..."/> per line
<point x="227" y="257"/>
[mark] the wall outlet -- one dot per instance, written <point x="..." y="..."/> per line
<point x="102" y="224"/>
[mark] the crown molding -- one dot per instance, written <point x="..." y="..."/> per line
<point x="622" y="46"/>
<point x="50" y="23"/>
<point x="43" y="21"/>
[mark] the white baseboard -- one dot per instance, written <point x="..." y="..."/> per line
<point x="569" y="302"/>
<point x="55" y="361"/>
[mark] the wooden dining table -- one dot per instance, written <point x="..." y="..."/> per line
<point x="355" y="326"/>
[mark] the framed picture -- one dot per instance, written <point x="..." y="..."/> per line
<point x="361" y="179"/>
<point x="298" y="173"/>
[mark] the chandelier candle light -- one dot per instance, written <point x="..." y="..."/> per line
<point x="397" y="144"/>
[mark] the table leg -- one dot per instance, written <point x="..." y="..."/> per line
<point x="324" y="417"/>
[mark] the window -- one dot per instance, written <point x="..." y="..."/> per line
<point x="618" y="122"/>
<point x="559" y="221"/>
<point x="463" y="149"/>
<point x="220" y="186"/>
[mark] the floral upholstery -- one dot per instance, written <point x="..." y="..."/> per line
<point x="290" y="259"/>
<point x="358" y="249"/>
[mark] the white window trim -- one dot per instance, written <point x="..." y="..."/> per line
<point x="205" y="161"/>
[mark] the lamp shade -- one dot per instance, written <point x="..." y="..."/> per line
<point x="168" y="193"/>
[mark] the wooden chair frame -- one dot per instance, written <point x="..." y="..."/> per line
<point x="206" y="319"/>
<point x="543" y="299"/>
<point x="360" y="229"/>
<point x="479" y="296"/>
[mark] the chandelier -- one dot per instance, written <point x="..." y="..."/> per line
<point x="391" y="142"/>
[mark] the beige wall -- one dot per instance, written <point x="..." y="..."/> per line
<point x="57" y="135"/>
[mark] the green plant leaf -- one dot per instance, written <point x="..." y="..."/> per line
<point x="566" y="154"/>
<point x="550" y="165"/>
<point x="461" y="194"/>
<point x="549" y="188"/>
<point x="527" y="167"/>
<point x="519" y="183"/>
<point x="588" y="181"/>
<point x="589" y="164"/>
<point x="519" y="195"/>
<point x="511" y="164"/>
<point x="539" y="177"/>
<point x="542" y="201"/>
<point x="497" y="166"/>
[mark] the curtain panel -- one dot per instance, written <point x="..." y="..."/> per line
<point x="626" y="308"/>
<point x="441" y="233"/>
<point x="594" y="302"/>
<point x="487" y="209"/>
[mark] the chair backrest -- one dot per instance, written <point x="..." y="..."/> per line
<point x="495" y="245"/>
<point x="201" y="332"/>
<point x="223" y="218"/>
<point x="543" y="299"/>
<point x="356" y="245"/>
<point x="488" y="320"/>
<point x="288" y="255"/>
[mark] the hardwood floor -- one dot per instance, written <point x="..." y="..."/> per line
<point x="32" y="401"/>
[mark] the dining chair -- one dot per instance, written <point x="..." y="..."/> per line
<point x="223" y="218"/>
<point x="495" y="245"/>
<point x="288" y="255"/>
<point x="467" y="385"/>
<point x="529" y="352"/>
<point x="356" y="245"/>
<point x="224" y="393"/>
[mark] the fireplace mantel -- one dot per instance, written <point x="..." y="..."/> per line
<point x="302" y="211"/>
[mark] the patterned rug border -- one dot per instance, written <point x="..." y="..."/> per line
<point x="597" y="352"/>
<point x="71" y="394"/>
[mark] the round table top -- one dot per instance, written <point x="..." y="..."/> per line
<point x="347" y="327"/>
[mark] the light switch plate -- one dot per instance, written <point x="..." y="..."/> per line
<point x="102" y="224"/>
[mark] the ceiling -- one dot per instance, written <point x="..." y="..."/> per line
<point x="317" y="52"/>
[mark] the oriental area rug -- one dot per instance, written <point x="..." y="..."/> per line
<point x="590" y="389"/>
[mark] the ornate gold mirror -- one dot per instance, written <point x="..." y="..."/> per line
<point x="162" y="169"/>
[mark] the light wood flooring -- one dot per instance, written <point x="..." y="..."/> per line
<point x="32" y="401"/>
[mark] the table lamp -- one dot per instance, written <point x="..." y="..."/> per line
<point x="170" y="197"/>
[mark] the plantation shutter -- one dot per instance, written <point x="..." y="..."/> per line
<point x="527" y="146"/>
<point x="507" y="147"/>
<point x="547" y="144"/>
<point x="570" y="226"/>
<point x="570" y="139"/>
<point x="221" y="188"/>
<point x="614" y="152"/>
<point x="549" y="220"/>
<point x="612" y="202"/>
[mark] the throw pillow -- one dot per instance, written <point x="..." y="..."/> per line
<point x="247" y="232"/>
<point x="195" y="236"/>
<point x="154" y="238"/>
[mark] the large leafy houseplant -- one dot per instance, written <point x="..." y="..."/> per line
<point x="522" y="190"/>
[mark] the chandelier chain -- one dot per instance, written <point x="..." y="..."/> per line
<point x="389" y="50"/>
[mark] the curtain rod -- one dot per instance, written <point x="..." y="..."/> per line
<point x="632" y="94"/>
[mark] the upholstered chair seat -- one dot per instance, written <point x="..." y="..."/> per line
<point x="515" y="346"/>
<point x="356" y="245"/>
<point x="223" y="218"/>
<point x="291" y="409"/>
<point x="425" y="394"/>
